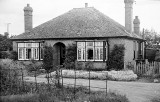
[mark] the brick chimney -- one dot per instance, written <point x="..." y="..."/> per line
<point x="129" y="15"/>
<point x="28" y="18"/>
<point x="136" y="23"/>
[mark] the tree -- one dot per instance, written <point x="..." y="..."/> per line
<point x="152" y="38"/>
<point x="5" y="42"/>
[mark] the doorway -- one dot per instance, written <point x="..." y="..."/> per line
<point x="59" y="53"/>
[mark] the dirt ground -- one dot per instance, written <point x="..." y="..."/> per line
<point x="135" y="91"/>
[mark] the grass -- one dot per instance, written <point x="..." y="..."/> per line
<point x="65" y="94"/>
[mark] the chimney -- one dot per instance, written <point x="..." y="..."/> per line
<point x="129" y="15"/>
<point x="28" y="18"/>
<point x="86" y="5"/>
<point x="136" y="23"/>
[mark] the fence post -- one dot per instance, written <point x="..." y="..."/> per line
<point x="22" y="79"/>
<point x="106" y="82"/>
<point x="75" y="82"/>
<point x="35" y="75"/>
<point x="89" y="80"/>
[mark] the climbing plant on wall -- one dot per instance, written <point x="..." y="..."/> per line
<point x="116" y="58"/>
<point x="71" y="56"/>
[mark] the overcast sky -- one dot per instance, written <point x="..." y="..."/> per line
<point x="11" y="11"/>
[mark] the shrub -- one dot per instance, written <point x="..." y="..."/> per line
<point x="156" y="99"/>
<point x="9" y="54"/>
<point x="48" y="58"/>
<point x="10" y="76"/>
<point x="20" y="98"/>
<point x="71" y="56"/>
<point x="116" y="58"/>
<point x="4" y="54"/>
<point x="33" y="65"/>
<point x="157" y="57"/>
<point x="13" y="55"/>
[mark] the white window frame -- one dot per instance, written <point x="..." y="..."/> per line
<point x="35" y="50"/>
<point x="81" y="47"/>
<point x="96" y="46"/>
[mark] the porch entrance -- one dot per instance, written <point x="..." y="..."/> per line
<point x="59" y="53"/>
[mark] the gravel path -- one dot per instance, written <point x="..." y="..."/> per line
<point x="135" y="91"/>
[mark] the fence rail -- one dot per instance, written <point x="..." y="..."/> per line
<point x="146" y="68"/>
<point x="18" y="75"/>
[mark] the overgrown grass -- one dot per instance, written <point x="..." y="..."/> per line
<point x="157" y="99"/>
<point x="65" y="94"/>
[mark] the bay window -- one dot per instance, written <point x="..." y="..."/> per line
<point x="91" y="51"/>
<point x="28" y="51"/>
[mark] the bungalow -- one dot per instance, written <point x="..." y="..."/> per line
<point x="94" y="33"/>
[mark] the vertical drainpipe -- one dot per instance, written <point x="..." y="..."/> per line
<point x="108" y="49"/>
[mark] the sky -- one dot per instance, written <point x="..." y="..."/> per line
<point x="12" y="15"/>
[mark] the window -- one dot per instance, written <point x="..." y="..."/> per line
<point x="91" y="51"/>
<point x="27" y="51"/>
<point x="81" y="51"/>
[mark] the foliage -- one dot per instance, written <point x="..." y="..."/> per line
<point x="156" y="99"/>
<point x="71" y="56"/>
<point x="5" y="43"/>
<point x="48" y="58"/>
<point x="13" y="55"/>
<point x="32" y="65"/>
<point x="157" y="57"/>
<point x="116" y="58"/>
<point x="65" y="94"/>
<point x="10" y="76"/>
<point x="9" y="54"/>
<point x="152" y="38"/>
<point x="20" y="98"/>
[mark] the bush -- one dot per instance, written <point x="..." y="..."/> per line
<point x="71" y="56"/>
<point x="33" y="65"/>
<point x="116" y="58"/>
<point x="156" y="99"/>
<point x="66" y="95"/>
<point x="4" y="54"/>
<point x="157" y="57"/>
<point x="13" y="55"/>
<point x="48" y="58"/>
<point x="9" y="54"/>
<point x="10" y="75"/>
<point x="20" y="98"/>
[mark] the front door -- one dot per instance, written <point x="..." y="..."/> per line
<point x="59" y="54"/>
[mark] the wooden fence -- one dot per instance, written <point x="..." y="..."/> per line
<point x="146" y="68"/>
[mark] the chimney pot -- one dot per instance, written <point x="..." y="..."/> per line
<point x="86" y="5"/>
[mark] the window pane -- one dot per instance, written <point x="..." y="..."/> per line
<point x="96" y="53"/>
<point x="21" y="45"/>
<point x="90" y="43"/>
<point x="89" y="53"/>
<point x="98" y="43"/>
<point x="20" y="53"/>
<point x="35" y="44"/>
<point x="28" y="53"/>
<point x="101" y="53"/>
<point x="79" y="54"/>
<point x="81" y="44"/>
<point x="36" y="53"/>
<point x="28" y="44"/>
<point x="41" y="53"/>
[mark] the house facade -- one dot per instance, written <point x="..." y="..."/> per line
<point x="94" y="33"/>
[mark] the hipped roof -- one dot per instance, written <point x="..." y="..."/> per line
<point x="78" y="23"/>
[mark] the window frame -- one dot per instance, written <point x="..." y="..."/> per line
<point x="102" y="47"/>
<point x="35" y="47"/>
